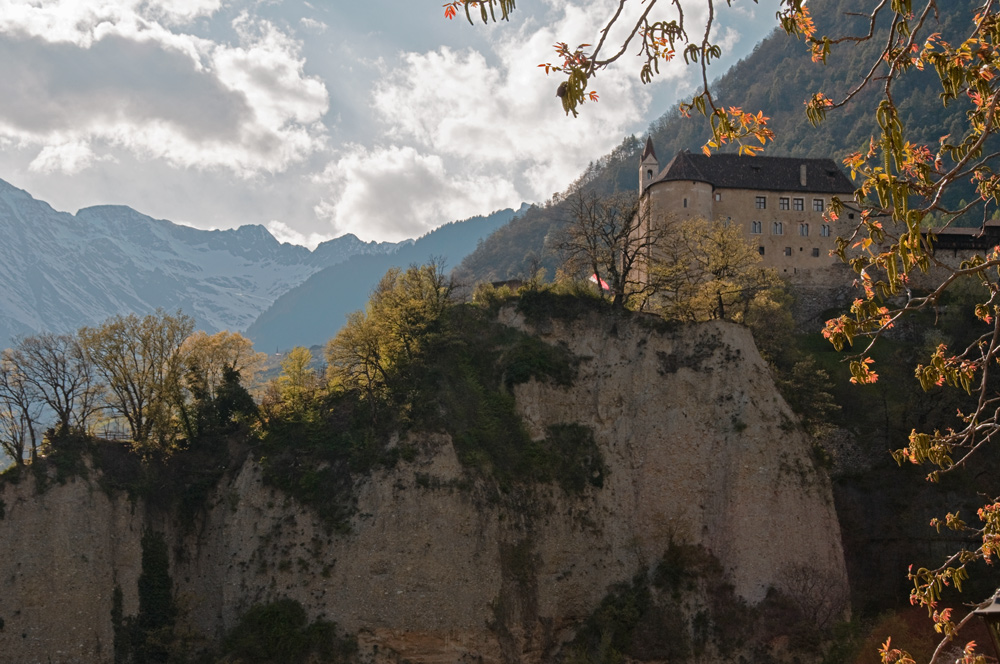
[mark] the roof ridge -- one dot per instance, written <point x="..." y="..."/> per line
<point x="729" y="170"/>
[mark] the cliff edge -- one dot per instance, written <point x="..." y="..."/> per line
<point x="697" y="449"/>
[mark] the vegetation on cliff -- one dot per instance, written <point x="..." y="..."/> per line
<point x="416" y="361"/>
<point x="278" y="631"/>
<point x="681" y="609"/>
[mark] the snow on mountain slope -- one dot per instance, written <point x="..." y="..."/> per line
<point x="60" y="271"/>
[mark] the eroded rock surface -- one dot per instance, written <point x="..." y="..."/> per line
<point x="698" y="445"/>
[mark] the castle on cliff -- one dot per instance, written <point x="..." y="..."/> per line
<point x="779" y="202"/>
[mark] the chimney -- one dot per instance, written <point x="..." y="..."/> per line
<point x="802" y="175"/>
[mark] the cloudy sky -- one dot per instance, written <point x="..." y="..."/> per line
<point x="379" y="118"/>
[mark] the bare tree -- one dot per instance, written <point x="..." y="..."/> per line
<point x="20" y="409"/>
<point x="612" y="240"/>
<point x="55" y="367"/>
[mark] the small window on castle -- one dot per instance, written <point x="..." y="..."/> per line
<point x="824" y="230"/>
<point x="756" y="227"/>
<point x="718" y="196"/>
<point x="777" y="228"/>
<point x="649" y="174"/>
<point x="685" y="202"/>
<point x="761" y="202"/>
<point x="798" y="204"/>
<point x="817" y="205"/>
<point x="760" y="250"/>
<point x="788" y="251"/>
<point x="804" y="230"/>
<point x="815" y="252"/>
<point x="783" y="203"/>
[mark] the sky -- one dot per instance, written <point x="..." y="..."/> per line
<point x="380" y="118"/>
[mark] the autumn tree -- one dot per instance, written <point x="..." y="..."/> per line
<point x="298" y="379"/>
<point x="357" y="358"/>
<point x="211" y="391"/>
<point x="139" y="361"/>
<point x="405" y="307"/>
<point x="612" y="239"/>
<point x="709" y="270"/>
<point x="212" y="354"/>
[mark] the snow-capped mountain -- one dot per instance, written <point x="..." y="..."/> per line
<point x="60" y="271"/>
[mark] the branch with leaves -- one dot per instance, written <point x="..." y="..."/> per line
<point x="901" y="192"/>
<point x="654" y="37"/>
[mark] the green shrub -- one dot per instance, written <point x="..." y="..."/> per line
<point x="562" y="303"/>
<point x="683" y="610"/>
<point x="459" y="382"/>
<point x="279" y="633"/>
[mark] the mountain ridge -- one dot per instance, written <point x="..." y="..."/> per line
<point x="61" y="271"/>
<point x="312" y="312"/>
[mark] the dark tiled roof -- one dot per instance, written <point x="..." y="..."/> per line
<point x="979" y="238"/>
<point x="649" y="151"/>
<point x="730" y="171"/>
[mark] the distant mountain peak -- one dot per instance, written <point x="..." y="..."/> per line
<point x="60" y="271"/>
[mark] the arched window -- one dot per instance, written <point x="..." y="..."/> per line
<point x="804" y="229"/>
<point x="824" y="230"/>
<point x="756" y="227"/>
<point x="649" y="174"/>
<point x="777" y="228"/>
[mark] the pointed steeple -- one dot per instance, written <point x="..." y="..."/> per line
<point x="649" y="151"/>
<point x="649" y="166"/>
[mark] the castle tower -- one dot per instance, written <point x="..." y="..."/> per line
<point x="649" y="166"/>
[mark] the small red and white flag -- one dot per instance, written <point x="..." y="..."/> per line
<point x="598" y="280"/>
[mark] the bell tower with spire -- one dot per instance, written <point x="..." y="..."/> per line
<point x="649" y="166"/>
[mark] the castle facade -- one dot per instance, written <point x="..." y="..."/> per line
<point x="779" y="202"/>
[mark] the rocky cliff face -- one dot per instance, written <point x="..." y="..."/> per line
<point x="698" y="445"/>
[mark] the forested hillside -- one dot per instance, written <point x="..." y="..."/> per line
<point x="752" y="84"/>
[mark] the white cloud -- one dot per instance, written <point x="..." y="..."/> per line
<point x="181" y="10"/>
<point x="285" y="233"/>
<point x="110" y="75"/>
<point x="69" y="158"/>
<point x="495" y="112"/>
<point x="397" y="193"/>
<point x="313" y="25"/>
<point x="455" y="103"/>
